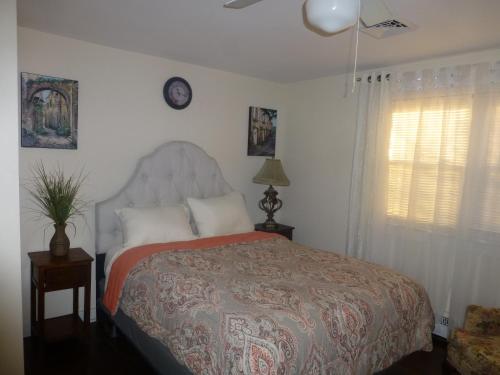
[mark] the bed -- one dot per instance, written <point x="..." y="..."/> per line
<point x="247" y="303"/>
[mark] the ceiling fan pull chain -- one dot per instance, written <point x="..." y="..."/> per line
<point x="356" y="51"/>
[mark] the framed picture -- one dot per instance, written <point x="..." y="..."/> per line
<point x="49" y="112"/>
<point x="262" y="124"/>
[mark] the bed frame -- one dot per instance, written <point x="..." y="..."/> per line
<point x="173" y="172"/>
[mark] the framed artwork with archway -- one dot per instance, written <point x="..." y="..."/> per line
<point x="49" y="112"/>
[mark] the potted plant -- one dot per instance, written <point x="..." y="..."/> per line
<point x="58" y="198"/>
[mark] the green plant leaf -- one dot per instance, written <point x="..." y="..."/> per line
<point x="57" y="196"/>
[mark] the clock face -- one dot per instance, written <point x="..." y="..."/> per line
<point x="177" y="93"/>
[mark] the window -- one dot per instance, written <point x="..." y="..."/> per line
<point x="428" y="146"/>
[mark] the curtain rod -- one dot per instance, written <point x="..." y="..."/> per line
<point x="379" y="78"/>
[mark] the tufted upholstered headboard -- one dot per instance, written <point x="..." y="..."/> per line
<point x="173" y="172"/>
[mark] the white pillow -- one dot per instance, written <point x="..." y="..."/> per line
<point x="143" y="226"/>
<point x="222" y="215"/>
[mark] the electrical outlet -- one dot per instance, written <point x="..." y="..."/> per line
<point x="444" y="321"/>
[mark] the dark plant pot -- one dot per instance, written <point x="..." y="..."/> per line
<point x="59" y="243"/>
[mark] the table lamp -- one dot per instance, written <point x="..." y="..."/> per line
<point x="271" y="173"/>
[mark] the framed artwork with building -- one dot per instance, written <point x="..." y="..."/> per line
<point x="49" y="112"/>
<point x="262" y="124"/>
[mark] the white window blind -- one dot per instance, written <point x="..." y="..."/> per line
<point x="428" y="146"/>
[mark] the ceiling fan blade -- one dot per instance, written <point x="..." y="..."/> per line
<point x="239" y="4"/>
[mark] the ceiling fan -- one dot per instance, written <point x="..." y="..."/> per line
<point x="333" y="16"/>
<point x="371" y="17"/>
<point x="330" y="16"/>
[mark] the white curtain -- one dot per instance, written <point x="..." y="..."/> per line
<point x="425" y="193"/>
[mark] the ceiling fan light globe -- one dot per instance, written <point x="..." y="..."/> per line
<point x="331" y="16"/>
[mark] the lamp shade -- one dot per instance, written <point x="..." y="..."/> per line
<point x="332" y="16"/>
<point x="272" y="173"/>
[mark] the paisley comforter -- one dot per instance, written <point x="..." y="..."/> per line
<point x="259" y="304"/>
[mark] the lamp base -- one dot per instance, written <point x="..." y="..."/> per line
<point x="270" y="204"/>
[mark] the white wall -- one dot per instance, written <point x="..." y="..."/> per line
<point x="319" y="151"/>
<point x="11" y="349"/>
<point x="317" y="161"/>
<point x="122" y="116"/>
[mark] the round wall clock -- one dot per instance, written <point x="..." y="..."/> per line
<point x="177" y="93"/>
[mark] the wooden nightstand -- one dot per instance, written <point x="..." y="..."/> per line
<point x="284" y="230"/>
<point x="49" y="274"/>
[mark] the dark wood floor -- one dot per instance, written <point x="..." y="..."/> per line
<point x="101" y="355"/>
<point x="105" y="355"/>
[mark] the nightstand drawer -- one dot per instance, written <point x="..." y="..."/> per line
<point x="68" y="277"/>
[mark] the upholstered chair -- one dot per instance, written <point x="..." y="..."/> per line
<point x="475" y="349"/>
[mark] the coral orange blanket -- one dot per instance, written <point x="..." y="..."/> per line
<point x="127" y="261"/>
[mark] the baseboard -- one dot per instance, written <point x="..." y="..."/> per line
<point x="92" y="314"/>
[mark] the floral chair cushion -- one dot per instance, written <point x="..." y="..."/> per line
<point x="475" y="350"/>
<point x="474" y="354"/>
<point x="482" y="321"/>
